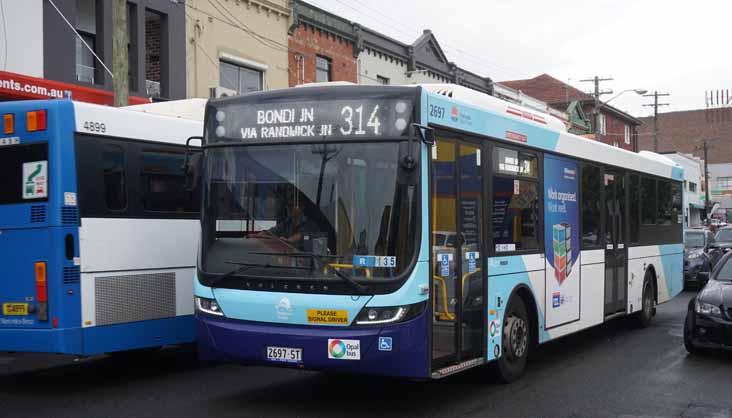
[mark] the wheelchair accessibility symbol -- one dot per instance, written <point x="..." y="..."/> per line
<point x="385" y="344"/>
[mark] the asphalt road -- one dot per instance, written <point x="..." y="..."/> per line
<point x="613" y="370"/>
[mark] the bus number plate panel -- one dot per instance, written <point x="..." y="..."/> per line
<point x="17" y="309"/>
<point x="284" y="354"/>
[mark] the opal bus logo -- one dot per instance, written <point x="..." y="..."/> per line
<point x="344" y="349"/>
<point x="337" y="349"/>
<point x="283" y="309"/>
<point x="454" y="114"/>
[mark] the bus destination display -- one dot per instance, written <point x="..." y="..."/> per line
<point x="347" y="119"/>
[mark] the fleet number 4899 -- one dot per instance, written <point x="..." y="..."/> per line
<point x="92" y="126"/>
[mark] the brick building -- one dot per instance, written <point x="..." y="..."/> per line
<point x="683" y="131"/>
<point x="321" y="47"/>
<point x="615" y="127"/>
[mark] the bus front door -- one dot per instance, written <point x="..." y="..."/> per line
<point x="458" y="308"/>
<point x="615" y="251"/>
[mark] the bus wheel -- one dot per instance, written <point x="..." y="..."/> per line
<point x="648" y="309"/>
<point x="516" y="341"/>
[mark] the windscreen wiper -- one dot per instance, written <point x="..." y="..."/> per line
<point x="321" y="260"/>
<point x="246" y="266"/>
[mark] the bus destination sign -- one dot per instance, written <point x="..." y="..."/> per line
<point x="282" y="122"/>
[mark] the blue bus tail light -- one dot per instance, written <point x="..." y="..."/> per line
<point x="209" y="306"/>
<point x="8" y="124"/>
<point x="36" y="120"/>
<point x="388" y="314"/>
<point x="41" y="291"/>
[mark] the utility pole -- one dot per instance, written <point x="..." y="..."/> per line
<point x="704" y="146"/>
<point x="120" y="59"/>
<point x="655" y="105"/>
<point x="706" y="181"/>
<point x="596" y="95"/>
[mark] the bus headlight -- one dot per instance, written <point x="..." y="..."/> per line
<point x="209" y="306"/>
<point x="388" y="314"/>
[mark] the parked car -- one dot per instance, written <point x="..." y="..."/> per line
<point x="697" y="243"/>
<point x="708" y="322"/>
<point x="721" y="245"/>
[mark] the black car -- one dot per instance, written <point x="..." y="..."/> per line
<point x="709" y="317"/>
<point x="721" y="245"/>
<point x="697" y="243"/>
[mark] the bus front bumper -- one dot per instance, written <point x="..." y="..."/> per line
<point x="221" y="339"/>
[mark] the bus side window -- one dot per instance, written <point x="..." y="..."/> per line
<point x="163" y="182"/>
<point x="516" y="209"/>
<point x="648" y="205"/>
<point x="635" y="197"/>
<point x="591" y="206"/>
<point x="115" y="179"/>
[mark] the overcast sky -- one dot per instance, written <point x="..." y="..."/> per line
<point x="670" y="46"/>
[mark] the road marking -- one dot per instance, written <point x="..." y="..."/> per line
<point x="699" y="411"/>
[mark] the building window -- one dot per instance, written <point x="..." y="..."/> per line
<point x="601" y="124"/>
<point x="627" y="134"/>
<point x="153" y="49"/>
<point x="724" y="183"/>
<point x="692" y="187"/>
<point x="322" y="69"/>
<point x="382" y="80"/>
<point x="238" y="78"/>
<point x="86" y="25"/>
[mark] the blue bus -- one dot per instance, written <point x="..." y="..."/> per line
<point x="417" y="231"/>
<point x="97" y="229"/>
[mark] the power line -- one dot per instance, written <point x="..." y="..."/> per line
<point x="477" y="59"/>
<point x="73" y="29"/>
<point x="247" y="28"/>
<point x="279" y="47"/>
<point x="510" y="72"/>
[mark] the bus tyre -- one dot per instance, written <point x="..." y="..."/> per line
<point x="648" y="306"/>
<point x="516" y="341"/>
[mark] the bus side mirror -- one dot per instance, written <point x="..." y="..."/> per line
<point x="192" y="164"/>
<point x="425" y="134"/>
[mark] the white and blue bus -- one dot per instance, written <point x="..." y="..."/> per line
<point x="418" y="231"/>
<point x="97" y="229"/>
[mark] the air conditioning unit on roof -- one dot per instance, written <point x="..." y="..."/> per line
<point x="219" y="91"/>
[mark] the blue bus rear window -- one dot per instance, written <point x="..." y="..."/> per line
<point x="12" y="159"/>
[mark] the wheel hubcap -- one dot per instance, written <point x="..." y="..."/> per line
<point x="517" y="337"/>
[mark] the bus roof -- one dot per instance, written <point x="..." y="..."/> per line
<point x="135" y="124"/>
<point x="544" y="132"/>
<point x="192" y="109"/>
